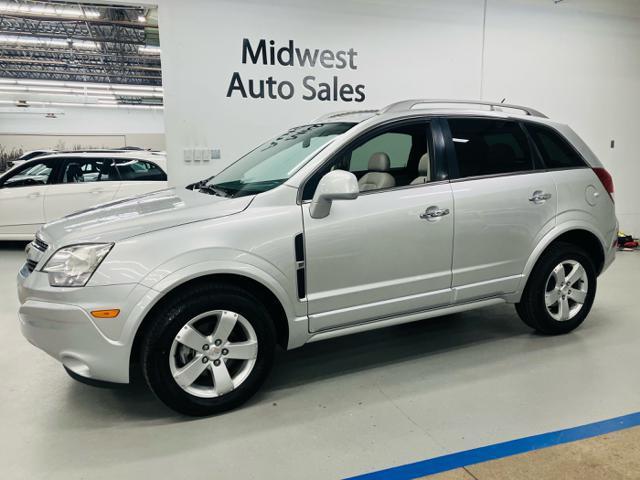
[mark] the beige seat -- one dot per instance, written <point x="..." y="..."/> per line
<point x="378" y="175"/>
<point x="424" y="170"/>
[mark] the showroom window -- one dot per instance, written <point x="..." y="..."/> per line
<point x="139" y="170"/>
<point x="89" y="170"/>
<point x="29" y="175"/>
<point x="403" y="144"/>
<point x="556" y="152"/>
<point x="489" y="147"/>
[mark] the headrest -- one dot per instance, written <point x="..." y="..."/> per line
<point x="424" y="165"/>
<point x="74" y="172"/>
<point x="379" y="162"/>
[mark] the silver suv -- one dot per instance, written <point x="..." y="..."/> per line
<point x="359" y="220"/>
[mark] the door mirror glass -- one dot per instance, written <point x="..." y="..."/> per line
<point x="335" y="185"/>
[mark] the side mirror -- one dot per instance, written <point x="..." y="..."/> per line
<point x="335" y="185"/>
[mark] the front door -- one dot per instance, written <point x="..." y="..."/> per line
<point x="388" y="252"/>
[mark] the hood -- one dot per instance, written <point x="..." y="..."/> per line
<point x="126" y="218"/>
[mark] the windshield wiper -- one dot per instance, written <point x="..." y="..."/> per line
<point x="211" y="190"/>
<point x="199" y="183"/>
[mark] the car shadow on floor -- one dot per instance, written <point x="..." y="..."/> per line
<point x="320" y="361"/>
<point x="394" y="345"/>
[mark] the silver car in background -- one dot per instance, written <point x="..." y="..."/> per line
<point x="356" y="221"/>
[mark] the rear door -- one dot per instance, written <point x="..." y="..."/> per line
<point x="139" y="176"/>
<point x="505" y="202"/>
<point x="83" y="183"/>
<point x="22" y="193"/>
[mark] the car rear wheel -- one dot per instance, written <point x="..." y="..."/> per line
<point x="560" y="290"/>
<point x="209" y="351"/>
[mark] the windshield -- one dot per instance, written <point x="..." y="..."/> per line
<point x="273" y="162"/>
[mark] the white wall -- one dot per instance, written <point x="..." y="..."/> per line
<point x="577" y="61"/>
<point x="405" y="48"/>
<point x="83" y="125"/>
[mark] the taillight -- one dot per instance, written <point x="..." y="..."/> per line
<point x="606" y="179"/>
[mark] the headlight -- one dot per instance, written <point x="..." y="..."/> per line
<point x="73" y="266"/>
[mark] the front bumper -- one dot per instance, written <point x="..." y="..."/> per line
<point x="58" y="321"/>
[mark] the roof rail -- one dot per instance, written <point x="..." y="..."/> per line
<point x="409" y="104"/>
<point x="342" y="114"/>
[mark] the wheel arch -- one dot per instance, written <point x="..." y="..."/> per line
<point x="271" y="301"/>
<point x="581" y="235"/>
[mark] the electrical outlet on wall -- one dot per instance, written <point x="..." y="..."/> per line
<point x="197" y="157"/>
<point x="215" y="154"/>
<point x="188" y="155"/>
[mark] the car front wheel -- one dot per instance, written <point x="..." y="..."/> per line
<point x="209" y="350"/>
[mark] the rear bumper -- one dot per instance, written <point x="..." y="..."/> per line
<point x="610" y="251"/>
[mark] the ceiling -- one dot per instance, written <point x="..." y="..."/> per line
<point x="101" y="46"/>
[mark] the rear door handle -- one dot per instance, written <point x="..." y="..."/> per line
<point x="433" y="213"/>
<point x="95" y="191"/>
<point x="539" y="197"/>
<point x="34" y="195"/>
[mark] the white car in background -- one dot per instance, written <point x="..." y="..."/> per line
<point x="52" y="186"/>
<point x="28" y="156"/>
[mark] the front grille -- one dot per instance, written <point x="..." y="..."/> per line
<point x="34" y="253"/>
<point x="31" y="265"/>
<point x="40" y="245"/>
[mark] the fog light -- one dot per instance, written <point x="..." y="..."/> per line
<point x="113" y="313"/>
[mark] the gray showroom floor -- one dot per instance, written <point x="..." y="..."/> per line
<point x="332" y="409"/>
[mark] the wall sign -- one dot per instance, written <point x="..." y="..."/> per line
<point x="311" y="88"/>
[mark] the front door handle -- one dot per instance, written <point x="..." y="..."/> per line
<point x="95" y="191"/>
<point x="34" y="195"/>
<point x="433" y="213"/>
<point x="539" y="197"/>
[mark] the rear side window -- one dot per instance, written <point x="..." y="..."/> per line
<point x="489" y="147"/>
<point x="139" y="170"/>
<point x="555" y="150"/>
<point x="85" y="170"/>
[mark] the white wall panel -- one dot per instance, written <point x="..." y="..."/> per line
<point x="409" y="48"/>
<point x="579" y="63"/>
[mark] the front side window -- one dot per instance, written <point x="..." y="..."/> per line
<point x="273" y="162"/>
<point x="489" y="147"/>
<point x="555" y="150"/>
<point x="87" y="170"/>
<point x="397" y="145"/>
<point x="131" y="170"/>
<point x="395" y="156"/>
<point x="35" y="173"/>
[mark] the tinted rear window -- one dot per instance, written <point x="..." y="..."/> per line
<point x="139" y="170"/>
<point x="489" y="147"/>
<point x="555" y="150"/>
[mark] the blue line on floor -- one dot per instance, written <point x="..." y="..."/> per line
<point x="500" y="450"/>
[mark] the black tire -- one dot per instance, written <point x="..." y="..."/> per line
<point x="532" y="308"/>
<point x="179" y="310"/>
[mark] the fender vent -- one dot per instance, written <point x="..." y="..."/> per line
<point x="300" y="274"/>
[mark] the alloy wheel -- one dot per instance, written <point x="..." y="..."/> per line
<point x="566" y="290"/>
<point x="213" y="353"/>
